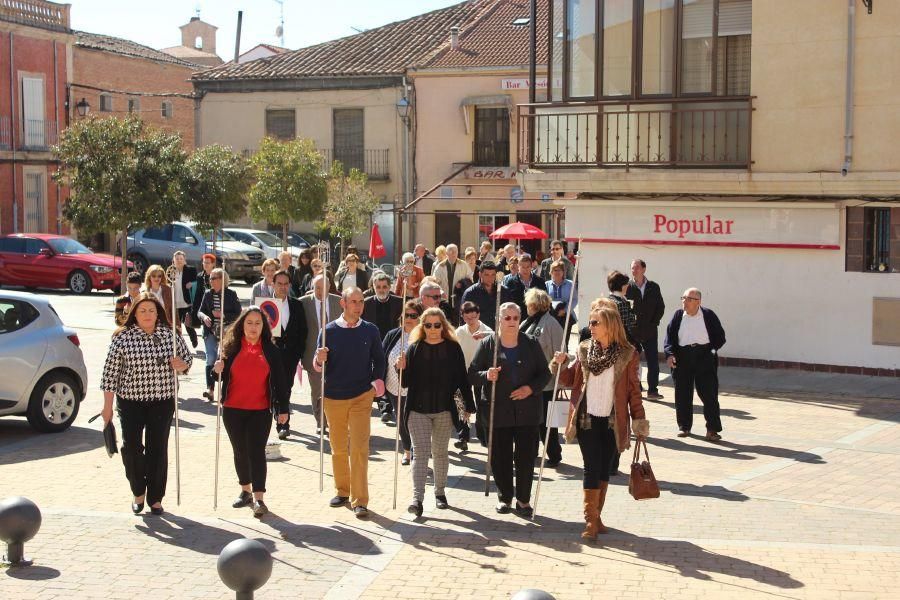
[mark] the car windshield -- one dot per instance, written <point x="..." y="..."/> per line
<point x="67" y="246"/>
<point x="268" y="239"/>
<point x="220" y="236"/>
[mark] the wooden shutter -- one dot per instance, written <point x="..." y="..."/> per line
<point x="348" y="133"/>
<point x="33" y="111"/>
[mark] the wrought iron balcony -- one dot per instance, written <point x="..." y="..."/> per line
<point x="373" y="163"/>
<point x="666" y="133"/>
<point x="37" y="135"/>
<point x="5" y="134"/>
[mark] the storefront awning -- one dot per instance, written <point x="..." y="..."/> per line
<point x="491" y="100"/>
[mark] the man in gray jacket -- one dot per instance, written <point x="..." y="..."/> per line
<point x="312" y="309"/>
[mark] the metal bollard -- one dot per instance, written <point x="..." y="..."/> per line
<point x="244" y="566"/>
<point x="20" y="520"/>
<point x="531" y="594"/>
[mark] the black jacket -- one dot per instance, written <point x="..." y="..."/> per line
<point x="389" y="318"/>
<point x="279" y="394"/>
<point x="456" y="364"/>
<point x="293" y="338"/>
<point x="487" y="302"/>
<point x="713" y="329"/>
<point x="427" y="263"/>
<point x="648" y="309"/>
<point x="517" y="288"/>
<point x="189" y="275"/>
<point x="530" y="369"/>
<point x="231" y="310"/>
<point x="362" y="278"/>
<point x="201" y="284"/>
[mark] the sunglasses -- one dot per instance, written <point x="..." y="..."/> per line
<point x="411" y="316"/>
<point x="432" y="325"/>
<point x="432" y="296"/>
<point x="511" y="318"/>
<point x="593" y="323"/>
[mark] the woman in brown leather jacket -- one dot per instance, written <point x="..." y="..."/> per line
<point x="605" y="395"/>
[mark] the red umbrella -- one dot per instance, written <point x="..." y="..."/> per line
<point x="519" y="231"/>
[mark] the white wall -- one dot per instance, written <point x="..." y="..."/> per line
<point x="775" y="304"/>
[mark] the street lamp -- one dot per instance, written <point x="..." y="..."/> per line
<point x="403" y="109"/>
<point x="83" y="108"/>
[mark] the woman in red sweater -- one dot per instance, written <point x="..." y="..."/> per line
<point x="254" y="386"/>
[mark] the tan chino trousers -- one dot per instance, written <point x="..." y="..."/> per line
<point x="349" y="426"/>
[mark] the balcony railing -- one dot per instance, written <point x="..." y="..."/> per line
<point x="46" y="15"/>
<point x="490" y="153"/>
<point x="37" y="134"/>
<point x="373" y="163"/>
<point x="5" y="134"/>
<point x="682" y="133"/>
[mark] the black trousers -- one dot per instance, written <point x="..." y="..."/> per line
<point x="290" y="371"/>
<point x="513" y="453"/>
<point x="554" y="450"/>
<point x="597" y="447"/>
<point x="696" y="367"/>
<point x="145" y="445"/>
<point x="405" y="440"/>
<point x="248" y="431"/>
<point x="482" y="416"/>
<point x="192" y="333"/>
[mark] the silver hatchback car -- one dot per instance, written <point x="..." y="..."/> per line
<point x="42" y="371"/>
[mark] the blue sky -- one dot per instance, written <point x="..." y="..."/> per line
<point x="306" y="22"/>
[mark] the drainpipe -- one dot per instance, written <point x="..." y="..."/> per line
<point x="848" y="107"/>
<point x="13" y="127"/>
<point x="56" y="127"/>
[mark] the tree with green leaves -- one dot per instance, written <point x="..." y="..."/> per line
<point x="290" y="184"/>
<point x="215" y="187"/>
<point x="122" y="174"/>
<point x="351" y="203"/>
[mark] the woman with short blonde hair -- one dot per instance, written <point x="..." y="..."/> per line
<point x="435" y="370"/>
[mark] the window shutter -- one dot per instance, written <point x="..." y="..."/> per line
<point x="348" y="134"/>
<point x="281" y="124"/>
<point x="697" y="19"/>
<point x="735" y="17"/>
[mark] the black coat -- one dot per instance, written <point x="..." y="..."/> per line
<point x="648" y="309"/>
<point x="201" y="284"/>
<point x="530" y="369"/>
<point x="427" y="263"/>
<point x="189" y="275"/>
<point x="293" y="338"/>
<point x="388" y="321"/>
<point x="231" y="311"/>
<point x="279" y="392"/>
<point x="517" y="288"/>
<point x="713" y="329"/>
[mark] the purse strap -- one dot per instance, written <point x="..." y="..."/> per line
<point x="637" y="450"/>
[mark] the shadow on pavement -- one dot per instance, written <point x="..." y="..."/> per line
<point x="724" y="449"/>
<point x="32" y="573"/>
<point x="734" y="413"/>
<point x="708" y="491"/>
<point x="189" y="534"/>
<point x="31" y="445"/>
<point x="693" y="561"/>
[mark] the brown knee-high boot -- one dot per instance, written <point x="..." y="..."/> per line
<point x="591" y="514"/>
<point x="601" y="500"/>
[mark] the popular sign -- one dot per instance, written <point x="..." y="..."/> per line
<point x="765" y="226"/>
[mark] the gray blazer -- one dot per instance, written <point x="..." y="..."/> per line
<point x="312" y="324"/>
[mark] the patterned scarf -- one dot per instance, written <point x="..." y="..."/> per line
<point x="599" y="360"/>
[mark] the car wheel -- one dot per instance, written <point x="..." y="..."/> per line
<point x="140" y="263"/>
<point x="54" y="403"/>
<point x="79" y="282"/>
<point x="251" y="279"/>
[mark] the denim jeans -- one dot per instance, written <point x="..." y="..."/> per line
<point x="212" y="354"/>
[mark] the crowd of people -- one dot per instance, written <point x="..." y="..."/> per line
<point x="443" y="339"/>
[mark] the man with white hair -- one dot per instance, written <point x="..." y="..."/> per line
<point x="312" y="310"/>
<point x="693" y="339"/>
<point x="430" y="295"/>
<point x="451" y="275"/>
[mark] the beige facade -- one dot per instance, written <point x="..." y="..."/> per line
<point x="446" y="104"/>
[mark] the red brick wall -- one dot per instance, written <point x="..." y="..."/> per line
<point x="117" y="72"/>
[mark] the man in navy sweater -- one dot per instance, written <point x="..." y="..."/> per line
<point x="355" y="361"/>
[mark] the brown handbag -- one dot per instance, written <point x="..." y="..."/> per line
<point x="642" y="483"/>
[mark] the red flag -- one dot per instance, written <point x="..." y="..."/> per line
<point x="376" y="246"/>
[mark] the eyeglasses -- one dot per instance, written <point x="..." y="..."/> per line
<point x="432" y="325"/>
<point x="432" y="296"/>
<point x="593" y="323"/>
<point x="411" y="316"/>
<point x="511" y="318"/>
<point x="690" y="298"/>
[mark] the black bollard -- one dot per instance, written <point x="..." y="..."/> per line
<point x="20" y="520"/>
<point x="532" y="595"/>
<point x="244" y="566"/>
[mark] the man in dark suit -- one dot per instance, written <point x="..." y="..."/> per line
<point x="523" y="281"/>
<point x="423" y="260"/>
<point x="693" y="339"/>
<point x="648" y="308"/>
<point x="312" y="307"/>
<point x="382" y="308"/>
<point x="291" y="340"/>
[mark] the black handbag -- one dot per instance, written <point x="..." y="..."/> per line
<point x="109" y="436"/>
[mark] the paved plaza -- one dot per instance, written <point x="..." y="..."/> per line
<point x="801" y="499"/>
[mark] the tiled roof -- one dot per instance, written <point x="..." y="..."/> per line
<point x="107" y="43"/>
<point x="492" y="40"/>
<point x="386" y="50"/>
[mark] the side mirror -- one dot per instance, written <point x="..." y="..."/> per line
<point x="255" y="243"/>
<point x="191" y="240"/>
<point x="45" y="252"/>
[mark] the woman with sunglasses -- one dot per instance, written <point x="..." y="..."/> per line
<point x="393" y="349"/>
<point x="138" y="374"/>
<point x="209" y="313"/>
<point x="436" y="370"/>
<point x="520" y="376"/>
<point x="155" y="283"/>
<point x="317" y="267"/>
<point x="254" y="386"/>
<point x="605" y="395"/>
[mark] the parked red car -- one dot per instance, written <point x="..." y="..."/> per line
<point x="44" y="260"/>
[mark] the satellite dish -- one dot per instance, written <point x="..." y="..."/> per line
<point x="279" y="31"/>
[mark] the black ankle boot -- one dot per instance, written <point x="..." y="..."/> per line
<point x="245" y="499"/>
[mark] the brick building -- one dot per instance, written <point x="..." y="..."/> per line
<point x="117" y="77"/>
<point x="35" y="54"/>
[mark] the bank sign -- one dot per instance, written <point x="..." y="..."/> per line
<point x="739" y="226"/>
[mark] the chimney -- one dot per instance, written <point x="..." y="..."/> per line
<point x="454" y="37"/>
